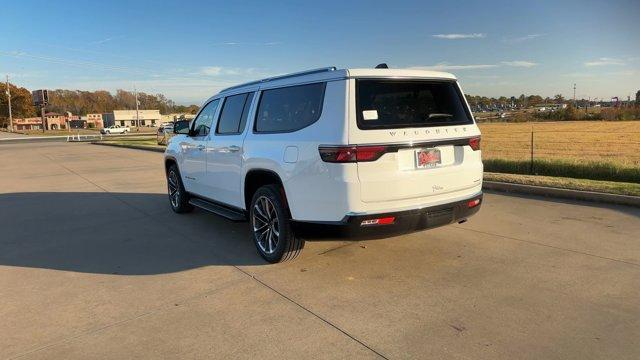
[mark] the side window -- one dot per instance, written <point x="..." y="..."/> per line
<point x="233" y="116"/>
<point x="245" y="112"/>
<point x="290" y="108"/>
<point x="202" y="123"/>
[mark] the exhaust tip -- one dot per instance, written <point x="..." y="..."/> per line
<point x="462" y="221"/>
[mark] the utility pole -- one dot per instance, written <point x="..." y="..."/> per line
<point x="574" y="95"/>
<point x="135" y="91"/>
<point x="44" y="120"/>
<point x="9" y="100"/>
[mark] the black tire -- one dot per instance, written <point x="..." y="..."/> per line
<point x="288" y="246"/>
<point x="179" y="200"/>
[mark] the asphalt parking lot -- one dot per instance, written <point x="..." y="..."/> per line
<point x="93" y="264"/>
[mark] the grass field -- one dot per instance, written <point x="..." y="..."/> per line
<point x="610" y="187"/>
<point x="580" y="149"/>
<point x="140" y="142"/>
<point x="145" y="130"/>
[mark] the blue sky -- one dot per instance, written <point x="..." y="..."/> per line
<point x="189" y="50"/>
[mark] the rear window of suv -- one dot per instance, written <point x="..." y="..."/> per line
<point x="389" y="104"/>
<point x="290" y="108"/>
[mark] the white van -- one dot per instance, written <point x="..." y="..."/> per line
<point x="366" y="150"/>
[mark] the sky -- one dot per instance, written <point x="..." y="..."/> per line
<point x="189" y="50"/>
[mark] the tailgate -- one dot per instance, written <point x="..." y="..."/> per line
<point x="429" y="141"/>
<point x="398" y="175"/>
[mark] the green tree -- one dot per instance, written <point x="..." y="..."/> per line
<point x="558" y="99"/>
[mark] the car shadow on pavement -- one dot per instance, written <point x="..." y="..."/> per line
<point x="116" y="233"/>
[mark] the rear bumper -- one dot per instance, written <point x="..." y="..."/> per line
<point x="403" y="222"/>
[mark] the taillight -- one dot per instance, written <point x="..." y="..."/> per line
<point x="473" y="203"/>
<point x="474" y="143"/>
<point x="369" y="153"/>
<point x="346" y="154"/>
<point x="338" y="154"/>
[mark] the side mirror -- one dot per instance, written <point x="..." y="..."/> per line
<point x="181" y="127"/>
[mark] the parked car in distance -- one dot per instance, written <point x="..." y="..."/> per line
<point x="115" y="129"/>
<point x="360" y="150"/>
<point x="164" y="133"/>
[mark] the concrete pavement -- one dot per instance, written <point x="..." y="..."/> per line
<point x="93" y="264"/>
<point x="10" y="135"/>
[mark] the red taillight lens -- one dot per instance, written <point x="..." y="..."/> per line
<point x="345" y="154"/>
<point x="475" y="143"/>
<point x="369" y="153"/>
<point x="473" y="203"/>
<point x="338" y="154"/>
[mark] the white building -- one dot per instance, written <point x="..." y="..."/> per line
<point x="130" y="118"/>
<point x="177" y="116"/>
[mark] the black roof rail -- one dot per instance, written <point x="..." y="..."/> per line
<point x="301" y="73"/>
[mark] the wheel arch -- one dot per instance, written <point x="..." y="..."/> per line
<point x="168" y="161"/>
<point x="256" y="178"/>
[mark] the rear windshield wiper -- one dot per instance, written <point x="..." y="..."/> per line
<point x="439" y="116"/>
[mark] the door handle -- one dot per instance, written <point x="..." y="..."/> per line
<point x="234" y="148"/>
<point x="200" y="147"/>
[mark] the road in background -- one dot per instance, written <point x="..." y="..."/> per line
<point x="93" y="264"/>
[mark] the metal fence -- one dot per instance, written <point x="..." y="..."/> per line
<point x="619" y="148"/>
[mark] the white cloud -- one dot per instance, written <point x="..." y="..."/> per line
<point x="460" y="36"/>
<point x="211" y="70"/>
<point x="600" y="75"/>
<point x="446" y="67"/>
<point x="218" y="71"/>
<point x="519" y="63"/>
<point x="522" y="38"/>
<point x="443" y="66"/>
<point x="605" y="61"/>
<point x="102" y="41"/>
<point x="235" y="43"/>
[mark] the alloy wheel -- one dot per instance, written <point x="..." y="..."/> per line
<point x="266" y="227"/>
<point x="174" y="189"/>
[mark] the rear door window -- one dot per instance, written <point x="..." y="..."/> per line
<point x="233" y="116"/>
<point x="290" y="108"/>
<point x="387" y="104"/>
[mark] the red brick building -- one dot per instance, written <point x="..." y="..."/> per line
<point x="96" y="120"/>
<point x="54" y="121"/>
<point x="33" y="123"/>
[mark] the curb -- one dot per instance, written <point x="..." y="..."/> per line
<point x="563" y="193"/>
<point x="136" y="147"/>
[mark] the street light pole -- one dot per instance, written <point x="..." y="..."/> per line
<point x="9" y="100"/>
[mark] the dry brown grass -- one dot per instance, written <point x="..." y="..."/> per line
<point x="616" y="142"/>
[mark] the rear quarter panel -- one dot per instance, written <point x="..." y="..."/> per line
<point x="308" y="181"/>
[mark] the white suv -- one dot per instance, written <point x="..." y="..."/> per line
<point x="365" y="150"/>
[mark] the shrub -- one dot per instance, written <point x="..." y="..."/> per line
<point x="621" y="113"/>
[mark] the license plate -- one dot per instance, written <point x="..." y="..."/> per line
<point x="427" y="158"/>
